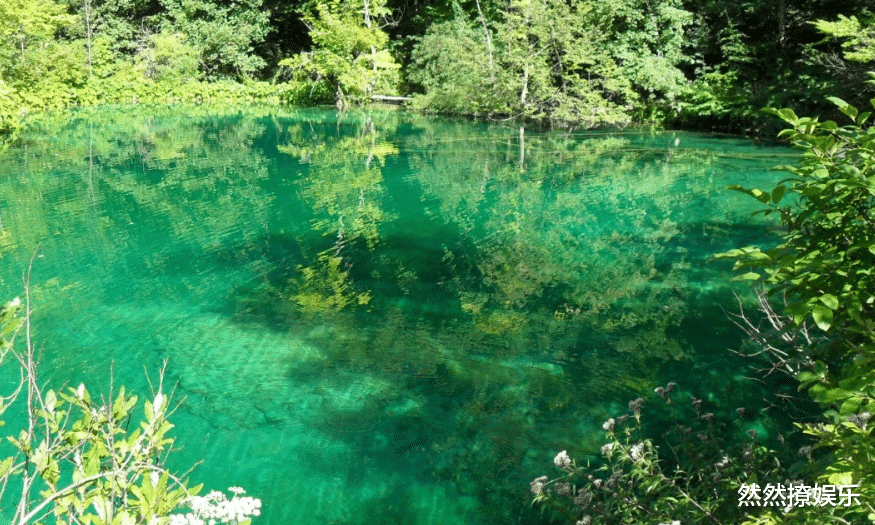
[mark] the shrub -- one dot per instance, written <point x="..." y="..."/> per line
<point x="824" y="270"/>
<point x="113" y="475"/>
<point x="691" y="474"/>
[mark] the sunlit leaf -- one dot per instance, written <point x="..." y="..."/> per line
<point x="822" y="317"/>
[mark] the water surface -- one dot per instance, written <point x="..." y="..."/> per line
<point x="379" y="317"/>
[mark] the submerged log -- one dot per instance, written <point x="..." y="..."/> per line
<point x="393" y="100"/>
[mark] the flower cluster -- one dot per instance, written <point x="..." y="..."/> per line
<point x="215" y="508"/>
<point x="538" y="484"/>
<point x="860" y="419"/>
<point x="637" y="452"/>
<point x="562" y="460"/>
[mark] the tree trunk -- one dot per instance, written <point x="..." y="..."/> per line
<point x="488" y="42"/>
<point x="525" y="90"/>
<point x="373" y="49"/>
<point x="782" y="14"/>
<point x="89" y="33"/>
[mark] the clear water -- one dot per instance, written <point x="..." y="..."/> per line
<point x="380" y="317"/>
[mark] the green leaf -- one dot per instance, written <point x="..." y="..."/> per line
<point x="5" y="467"/>
<point x="759" y="195"/>
<point x="822" y="317"/>
<point x="841" y="478"/>
<point x="788" y="115"/>
<point x="850" y="406"/>
<point x="50" y="401"/>
<point x="805" y="376"/>
<point x="844" y="107"/>
<point x="124" y="518"/>
<point x="778" y="194"/>
<point x="830" y="300"/>
<point x="834" y="394"/>
<point x="749" y="276"/>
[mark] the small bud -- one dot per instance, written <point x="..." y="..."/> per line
<point x="159" y="401"/>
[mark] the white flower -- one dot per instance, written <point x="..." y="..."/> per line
<point x="185" y="519"/>
<point x="609" y="425"/>
<point x="154" y="477"/>
<point x="637" y="451"/>
<point x="216" y="506"/>
<point x="538" y="484"/>
<point x="15" y="302"/>
<point x="562" y="460"/>
<point x="80" y="392"/>
<point x="607" y="448"/>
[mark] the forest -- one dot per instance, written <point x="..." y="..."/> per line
<point x="703" y="65"/>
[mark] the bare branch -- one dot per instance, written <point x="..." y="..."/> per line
<point x="787" y="345"/>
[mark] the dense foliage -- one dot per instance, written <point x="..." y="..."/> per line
<point x="822" y="270"/>
<point x="575" y="62"/>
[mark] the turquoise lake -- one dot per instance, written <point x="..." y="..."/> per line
<point x="380" y="317"/>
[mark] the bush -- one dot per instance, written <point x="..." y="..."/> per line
<point x="696" y="480"/>
<point x="112" y="475"/>
<point x="824" y="270"/>
<point x="169" y="58"/>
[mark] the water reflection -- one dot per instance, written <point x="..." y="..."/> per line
<point x="377" y="304"/>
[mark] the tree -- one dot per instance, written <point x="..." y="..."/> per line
<point x="350" y="61"/>
<point x="451" y="62"/>
<point x="38" y="68"/>
<point x="559" y="61"/>
<point x="224" y="34"/>
<point x="858" y="37"/>
<point x="22" y="21"/>
<point x="167" y="57"/>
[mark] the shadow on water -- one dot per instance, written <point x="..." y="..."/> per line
<point x="390" y="313"/>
